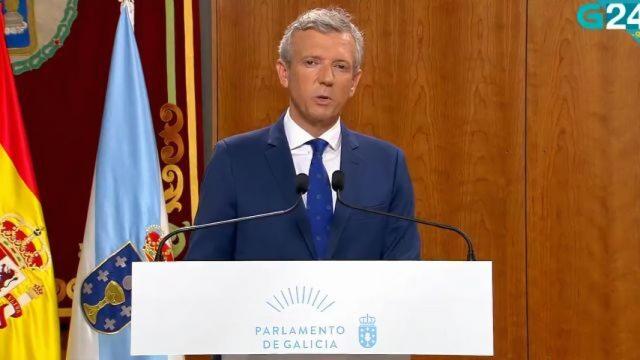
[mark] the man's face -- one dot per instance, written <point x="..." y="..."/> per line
<point x="321" y="76"/>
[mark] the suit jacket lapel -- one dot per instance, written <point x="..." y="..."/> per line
<point x="279" y="158"/>
<point x="350" y="164"/>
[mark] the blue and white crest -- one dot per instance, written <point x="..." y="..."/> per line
<point x="105" y="294"/>
<point x="368" y="333"/>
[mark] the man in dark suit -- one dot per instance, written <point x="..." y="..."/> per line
<point x="320" y="57"/>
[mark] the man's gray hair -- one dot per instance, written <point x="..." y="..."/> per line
<point x="324" y="21"/>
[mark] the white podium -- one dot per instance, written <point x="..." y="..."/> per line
<point x="315" y="307"/>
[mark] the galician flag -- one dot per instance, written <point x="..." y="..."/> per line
<point x="126" y="216"/>
<point x="29" y="327"/>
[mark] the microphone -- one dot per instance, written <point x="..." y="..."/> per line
<point x="302" y="185"/>
<point x="337" y="184"/>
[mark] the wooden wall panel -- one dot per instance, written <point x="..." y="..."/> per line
<point x="444" y="80"/>
<point x="583" y="185"/>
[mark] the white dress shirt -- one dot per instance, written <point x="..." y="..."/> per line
<point x="302" y="153"/>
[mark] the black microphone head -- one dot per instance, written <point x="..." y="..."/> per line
<point x="337" y="181"/>
<point x="302" y="184"/>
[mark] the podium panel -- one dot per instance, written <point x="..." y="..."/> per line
<point x="315" y="307"/>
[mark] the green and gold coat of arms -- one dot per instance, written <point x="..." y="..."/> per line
<point x="35" y="30"/>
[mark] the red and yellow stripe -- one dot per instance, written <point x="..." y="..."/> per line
<point x="29" y="327"/>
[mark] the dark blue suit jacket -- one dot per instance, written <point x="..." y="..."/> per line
<point x="253" y="173"/>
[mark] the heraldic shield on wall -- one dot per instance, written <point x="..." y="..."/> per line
<point x="105" y="293"/>
<point x="35" y="30"/>
<point x="22" y="254"/>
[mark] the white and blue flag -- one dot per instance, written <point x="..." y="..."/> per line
<point x="126" y="213"/>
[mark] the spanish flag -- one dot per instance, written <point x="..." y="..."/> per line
<point x="29" y="327"/>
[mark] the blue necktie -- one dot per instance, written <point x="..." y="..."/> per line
<point x="319" y="201"/>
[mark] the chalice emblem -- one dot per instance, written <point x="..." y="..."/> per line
<point x="113" y="295"/>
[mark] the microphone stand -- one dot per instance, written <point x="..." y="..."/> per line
<point x="471" y="256"/>
<point x="160" y="257"/>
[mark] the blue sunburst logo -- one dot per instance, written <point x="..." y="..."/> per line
<point x="306" y="296"/>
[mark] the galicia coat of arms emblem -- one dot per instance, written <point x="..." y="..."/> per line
<point x="368" y="332"/>
<point x="105" y="294"/>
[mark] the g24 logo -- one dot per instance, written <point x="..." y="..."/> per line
<point x="619" y="15"/>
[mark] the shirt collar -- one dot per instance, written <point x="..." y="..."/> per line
<point x="297" y="136"/>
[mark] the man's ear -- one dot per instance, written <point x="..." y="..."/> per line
<point x="283" y="73"/>
<point x="354" y="82"/>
